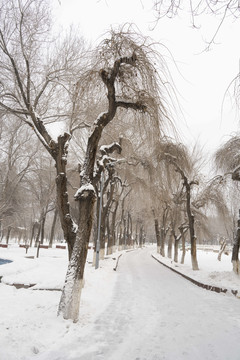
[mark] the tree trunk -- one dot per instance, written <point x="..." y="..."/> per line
<point x="124" y="231"/>
<point x="162" y="242"/>
<point x="86" y="196"/>
<point x="8" y="234"/>
<point x="235" y="252"/>
<point x="193" y="239"/>
<point x="222" y="248"/>
<point x="102" y="237"/>
<point x="34" y="226"/>
<point x="38" y="235"/>
<point x="183" y="246"/>
<point x="140" y="237"/>
<point x="43" y="228"/>
<point x="53" y="227"/>
<point x="157" y="232"/>
<point x="68" y="226"/>
<point x="120" y="237"/>
<point x="175" y="249"/>
<point x="70" y="299"/>
<point x="170" y="241"/>
<point x="110" y="238"/>
<point x="113" y="225"/>
<point x="136" y="235"/>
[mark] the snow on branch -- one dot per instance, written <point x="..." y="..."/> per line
<point x="84" y="190"/>
<point x="107" y="149"/>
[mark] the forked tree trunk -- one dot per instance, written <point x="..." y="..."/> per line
<point x="71" y="294"/>
<point x="176" y="242"/>
<point x="222" y="248"/>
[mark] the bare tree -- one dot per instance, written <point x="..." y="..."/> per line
<point x="38" y="85"/>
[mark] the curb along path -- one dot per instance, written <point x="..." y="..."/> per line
<point x="204" y="286"/>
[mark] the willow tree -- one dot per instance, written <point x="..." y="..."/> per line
<point x="228" y="159"/>
<point x="176" y="156"/>
<point x="125" y="72"/>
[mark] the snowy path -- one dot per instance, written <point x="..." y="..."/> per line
<point x="157" y="315"/>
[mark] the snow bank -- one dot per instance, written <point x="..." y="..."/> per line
<point x="211" y="271"/>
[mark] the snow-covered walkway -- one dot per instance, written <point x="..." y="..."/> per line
<point x="157" y="315"/>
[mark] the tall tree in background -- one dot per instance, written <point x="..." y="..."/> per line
<point x="177" y="156"/>
<point x="16" y="164"/>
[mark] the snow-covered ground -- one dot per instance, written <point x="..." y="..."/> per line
<point x="28" y="317"/>
<point x="211" y="271"/>
<point x="141" y="311"/>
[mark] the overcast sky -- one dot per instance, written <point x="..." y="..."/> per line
<point x="203" y="76"/>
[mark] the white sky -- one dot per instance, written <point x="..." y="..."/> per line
<point x="205" y="76"/>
